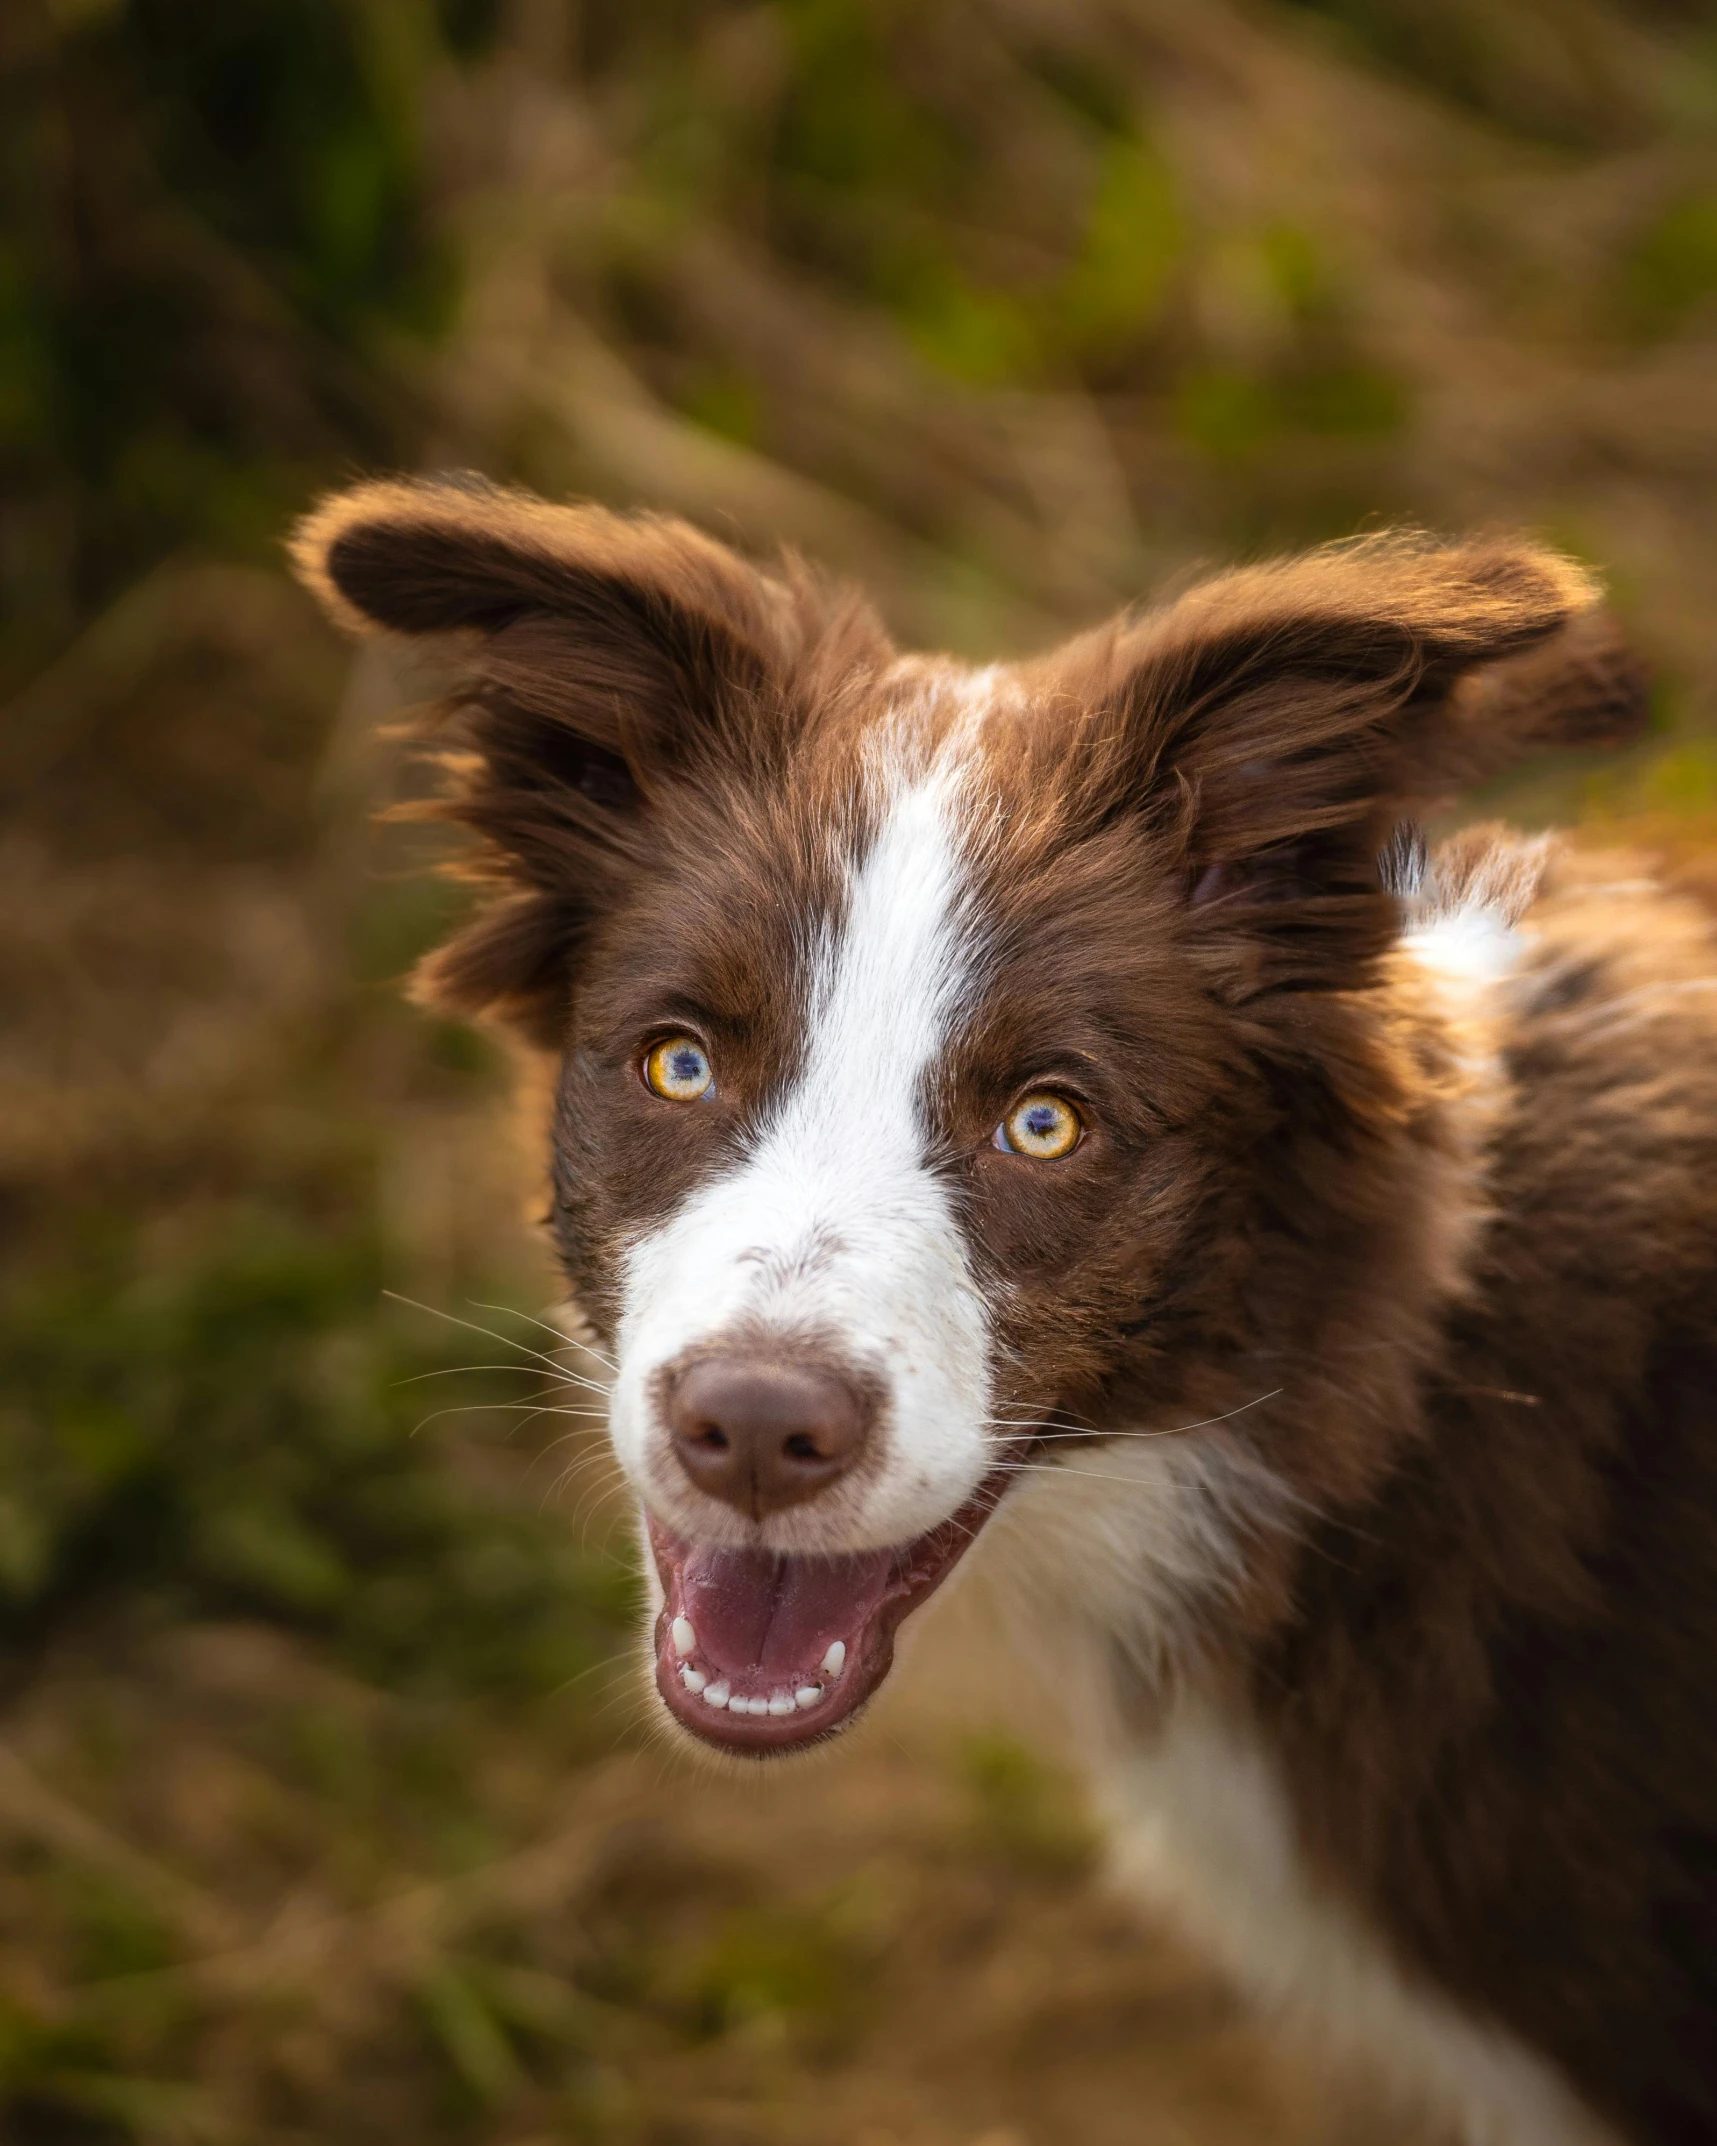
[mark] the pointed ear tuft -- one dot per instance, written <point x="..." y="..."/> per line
<point x="1398" y="608"/>
<point x="452" y="555"/>
<point x="1322" y="690"/>
<point x="1278" y="721"/>
<point x="1582" y="687"/>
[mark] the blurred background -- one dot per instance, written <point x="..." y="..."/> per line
<point x="326" y="1808"/>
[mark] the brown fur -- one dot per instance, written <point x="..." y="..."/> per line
<point x="1494" y="1692"/>
<point x="1479" y="1261"/>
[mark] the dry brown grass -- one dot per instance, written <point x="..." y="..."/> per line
<point x="282" y="1869"/>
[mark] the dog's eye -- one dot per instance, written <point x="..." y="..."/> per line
<point x="679" y="1070"/>
<point x="1043" y="1125"/>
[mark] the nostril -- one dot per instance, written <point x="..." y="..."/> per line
<point x="761" y="1434"/>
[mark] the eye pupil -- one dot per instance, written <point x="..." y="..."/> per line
<point x="679" y="1070"/>
<point x="1045" y="1127"/>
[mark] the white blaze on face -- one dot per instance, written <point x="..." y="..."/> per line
<point x="834" y="1224"/>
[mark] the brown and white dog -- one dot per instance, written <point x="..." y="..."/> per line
<point x="1052" y="1110"/>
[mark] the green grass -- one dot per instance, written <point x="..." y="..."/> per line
<point x="256" y="1431"/>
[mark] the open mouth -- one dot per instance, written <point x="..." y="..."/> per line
<point x="759" y="1652"/>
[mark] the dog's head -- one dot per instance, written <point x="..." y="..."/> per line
<point x="956" y="1068"/>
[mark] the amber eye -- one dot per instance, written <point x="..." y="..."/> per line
<point x="679" y="1070"/>
<point x="1043" y="1125"/>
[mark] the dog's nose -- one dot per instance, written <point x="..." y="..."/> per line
<point x="760" y="1435"/>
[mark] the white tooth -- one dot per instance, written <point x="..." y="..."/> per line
<point x="836" y="1658"/>
<point x="782" y="1703"/>
<point x="807" y="1695"/>
<point x="685" y="1639"/>
<point x="692" y="1679"/>
<point x="757" y="1706"/>
<point x="716" y="1694"/>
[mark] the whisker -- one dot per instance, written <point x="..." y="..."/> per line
<point x="566" y="1340"/>
<point x="597" y="1443"/>
<point x="527" y="1371"/>
<point x="588" y="1506"/>
<point x="580" y="1464"/>
<point x="529" y="1420"/>
<point x="506" y="1340"/>
<point x="543" y="1408"/>
<point x="576" y="1466"/>
<point x="1020" y="1423"/>
<point x="635" y="1695"/>
<point x="509" y="1408"/>
<point x="1083" y="1475"/>
<point x="542" y="1393"/>
<point x="1064" y="1420"/>
<point x="590" y="1491"/>
<point x="579" y="1676"/>
<point x="589" y="1523"/>
<point x="1052" y="1432"/>
<point x="1049" y="1438"/>
<point x="451" y="1318"/>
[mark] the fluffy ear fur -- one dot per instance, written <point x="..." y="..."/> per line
<point x="605" y="655"/>
<point x="447" y="553"/>
<point x="638" y="635"/>
<point x="1279" y="720"/>
<point x="1583" y="687"/>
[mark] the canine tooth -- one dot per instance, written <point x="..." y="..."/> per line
<point x="807" y="1695"/>
<point x="782" y="1703"/>
<point x="716" y="1694"/>
<point x="685" y="1639"/>
<point x="836" y="1658"/>
<point x="692" y="1679"/>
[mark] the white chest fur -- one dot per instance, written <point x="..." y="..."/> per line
<point x="1203" y="1832"/>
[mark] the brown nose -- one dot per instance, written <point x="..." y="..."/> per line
<point x="761" y="1435"/>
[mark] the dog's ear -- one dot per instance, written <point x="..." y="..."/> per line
<point x="638" y="635"/>
<point x="1278" y="721"/>
<point x="602" y="657"/>
<point x="1583" y="686"/>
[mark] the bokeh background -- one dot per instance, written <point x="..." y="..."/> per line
<point x="326" y="1809"/>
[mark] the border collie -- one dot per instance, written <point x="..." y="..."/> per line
<point x="1060" y="1114"/>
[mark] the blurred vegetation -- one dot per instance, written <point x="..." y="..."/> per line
<point x="232" y="1437"/>
<point x="323" y="1806"/>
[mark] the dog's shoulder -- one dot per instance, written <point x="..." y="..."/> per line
<point x="1506" y="1646"/>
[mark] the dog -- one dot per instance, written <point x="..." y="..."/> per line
<point x="1061" y="1115"/>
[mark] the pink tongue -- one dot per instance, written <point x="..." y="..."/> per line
<point x="752" y="1610"/>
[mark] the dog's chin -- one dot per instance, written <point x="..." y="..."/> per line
<point x="759" y="1654"/>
